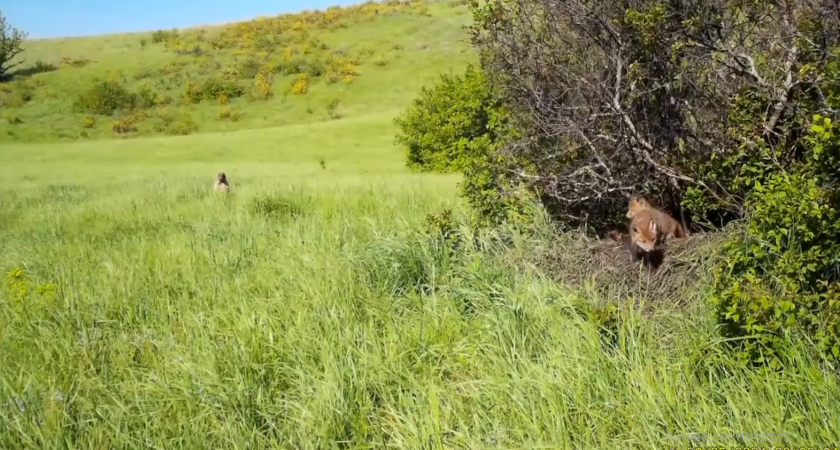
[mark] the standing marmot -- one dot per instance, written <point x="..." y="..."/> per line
<point x="221" y="184"/>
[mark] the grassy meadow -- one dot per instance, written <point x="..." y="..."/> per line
<point x="313" y="308"/>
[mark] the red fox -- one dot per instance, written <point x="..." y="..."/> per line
<point x="665" y="224"/>
<point x="648" y="225"/>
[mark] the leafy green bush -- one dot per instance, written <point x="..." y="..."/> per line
<point x="146" y="98"/>
<point x="457" y="125"/>
<point x="43" y="67"/>
<point x="440" y="124"/>
<point x="595" y="122"/>
<point x="12" y="119"/>
<point x="162" y="36"/>
<point x="212" y="89"/>
<point x="783" y="274"/>
<point x="248" y="68"/>
<point x="16" y="94"/>
<point x="181" y="127"/>
<point x="104" y="98"/>
<point x="487" y="186"/>
<point x="311" y="65"/>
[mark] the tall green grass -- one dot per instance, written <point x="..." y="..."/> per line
<point x="311" y="309"/>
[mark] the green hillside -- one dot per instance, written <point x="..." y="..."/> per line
<point x="291" y="69"/>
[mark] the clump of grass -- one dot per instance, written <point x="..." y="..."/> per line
<point x="230" y="114"/>
<point x="332" y="109"/>
<point x="43" y="67"/>
<point x="16" y="94"/>
<point x="163" y="36"/>
<point x="124" y="125"/>
<point x="211" y="89"/>
<point x="276" y="207"/>
<point x="74" y="62"/>
<point x="181" y="126"/>
<point x="12" y="119"/>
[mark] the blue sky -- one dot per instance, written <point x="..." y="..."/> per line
<point x="59" y="18"/>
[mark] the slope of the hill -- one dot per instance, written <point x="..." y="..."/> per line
<point x="294" y="68"/>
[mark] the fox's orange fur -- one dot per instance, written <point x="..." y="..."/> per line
<point x="665" y="224"/>
<point x="644" y="231"/>
<point x="648" y="225"/>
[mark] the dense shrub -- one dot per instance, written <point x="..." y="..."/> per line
<point x="311" y="65"/>
<point x="672" y="99"/>
<point x="146" y="98"/>
<point x="16" y="94"/>
<point x="42" y="67"/>
<point x="126" y="124"/>
<point x="229" y="114"/>
<point x="189" y="50"/>
<point x="104" y="98"/>
<point x="74" y="62"/>
<point x="212" y="89"/>
<point x="300" y="85"/>
<point x="263" y="86"/>
<point x="163" y="36"/>
<point x="181" y="126"/>
<point x="248" y="68"/>
<point x="488" y="187"/>
<point x="12" y="119"/>
<point x="783" y="274"/>
<point x="457" y="125"/>
<point x="443" y="120"/>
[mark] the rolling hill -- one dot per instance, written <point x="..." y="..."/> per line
<point x="291" y="69"/>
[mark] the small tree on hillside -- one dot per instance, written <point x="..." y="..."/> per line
<point x="11" y="45"/>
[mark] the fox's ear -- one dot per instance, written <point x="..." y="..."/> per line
<point x="653" y="226"/>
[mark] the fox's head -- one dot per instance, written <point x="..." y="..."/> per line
<point x="645" y="233"/>
<point x="637" y="204"/>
